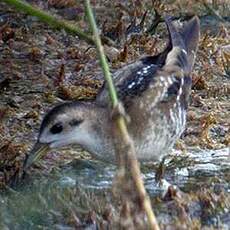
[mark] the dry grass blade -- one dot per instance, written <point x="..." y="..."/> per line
<point x="49" y="19"/>
<point x="129" y="159"/>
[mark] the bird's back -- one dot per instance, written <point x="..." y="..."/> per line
<point x="155" y="92"/>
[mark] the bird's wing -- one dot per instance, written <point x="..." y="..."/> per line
<point x="162" y="72"/>
<point x="133" y="80"/>
<point x="130" y="80"/>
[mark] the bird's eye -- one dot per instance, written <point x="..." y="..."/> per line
<point x="57" y="128"/>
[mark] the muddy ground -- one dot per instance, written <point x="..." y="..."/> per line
<point x="40" y="67"/>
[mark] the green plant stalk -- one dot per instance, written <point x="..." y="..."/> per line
<point x="102" y="57"/>
<point x="49" y="19"/>
<point x="127" y="141"/>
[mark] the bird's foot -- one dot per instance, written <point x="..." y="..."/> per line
<point x="169" y="191"/>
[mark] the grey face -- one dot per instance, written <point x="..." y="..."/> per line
<point x="62" y="130"/>
<point x="69" y="123"/>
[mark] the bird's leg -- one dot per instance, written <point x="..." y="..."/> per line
<point x="169" y="191"/>
<point x="163" y="184"/>
<point x="160" y="171"/>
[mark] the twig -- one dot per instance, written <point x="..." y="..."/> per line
<point x="49" y="19"/>
<point x="127" y="141"/>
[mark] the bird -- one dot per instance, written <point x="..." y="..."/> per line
<point x="154" y="91"/>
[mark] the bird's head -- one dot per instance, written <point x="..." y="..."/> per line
<point x="69" y="123"/>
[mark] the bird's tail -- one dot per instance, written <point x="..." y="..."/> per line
<point x="184" y="43"/>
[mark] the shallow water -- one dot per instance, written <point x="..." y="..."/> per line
<point x="197" y="165"/>
<point x="43" y="202"/>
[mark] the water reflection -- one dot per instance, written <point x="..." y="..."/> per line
<point x="24" y="207"/>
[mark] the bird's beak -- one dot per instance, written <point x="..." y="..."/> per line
<point x="39" y="150"/>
